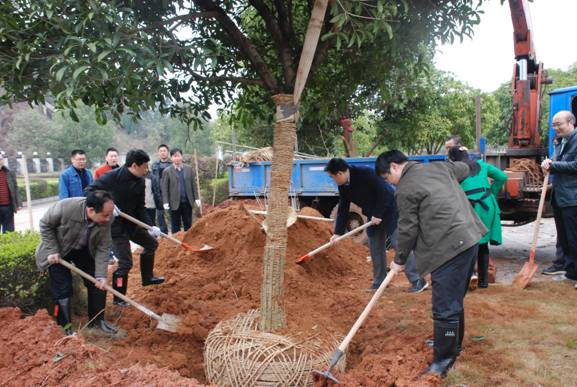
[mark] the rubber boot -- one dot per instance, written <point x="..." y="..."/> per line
<point x="63" y="314"/>
<point x="146" y="266"/>
<point x="96" y="305"/>
<point x="445" y="347"/>
<point x="483" y="270"/>
<point x="120" y="284"/>
<point x="461" y="333"/>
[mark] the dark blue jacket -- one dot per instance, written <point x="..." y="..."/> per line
<point x="373" y="194"/>
<point x="565" y="173"/>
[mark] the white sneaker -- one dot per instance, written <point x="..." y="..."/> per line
<point x="560" y="277"/>
<point x="576" y="286"/>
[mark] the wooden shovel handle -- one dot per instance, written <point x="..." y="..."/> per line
<point x="537" y="224"/>
<point x="308" y="256"/>
<point x="90" y="278"/>
<point x="345" y="343"/>
<point x="147" y="226"/>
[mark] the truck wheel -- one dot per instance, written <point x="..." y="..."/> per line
<point x="355" y="219"/>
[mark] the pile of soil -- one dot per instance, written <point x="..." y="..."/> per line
<point x="324" y="295"/>
<point x="35" y="352"/>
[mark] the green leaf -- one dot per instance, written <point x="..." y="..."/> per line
<point x="74" y="116"/>
<point x="60" y="73"/>
<point x="79" y="71"/>
<point x="92" y="47"/>
<point x="103" y="55"/>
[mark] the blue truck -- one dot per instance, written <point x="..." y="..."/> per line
<point x="311" y="186"/>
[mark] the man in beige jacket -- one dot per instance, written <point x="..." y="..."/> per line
<point x="77" y="230"/>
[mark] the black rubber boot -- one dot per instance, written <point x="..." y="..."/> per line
<point x="445" y="347"/>
<point x="96" y="305"/>
<point x="461" y="333"/>
<point x="120" y="284"/>
<point x="483" y="269"/>
<point x="146" y="267"/>
<point x="63" y="314"/>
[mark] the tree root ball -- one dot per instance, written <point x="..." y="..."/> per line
<point x="236" y="353"/>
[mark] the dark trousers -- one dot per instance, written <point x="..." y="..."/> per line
<point x="61" y="278"/>
<point x="151" y="212"/>
<point x="378" y="248"/>
<point x="450" y="284"/>
<point x="566" y="225"/>
<point x="160" y="220"/>
<point x="182" y="216"/>
<point x="121" y="247"/>
<point x="6" y="219"/>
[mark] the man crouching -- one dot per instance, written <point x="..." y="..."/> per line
<point x="77" y="230"/>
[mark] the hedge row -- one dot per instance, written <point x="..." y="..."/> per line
<point x="21" y="284"/>
<point x="39" y="189"/>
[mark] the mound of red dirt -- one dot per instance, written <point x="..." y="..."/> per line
<point x="35" y="352"/>
<point x="326" y="294"/>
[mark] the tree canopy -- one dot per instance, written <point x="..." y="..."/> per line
<point x="129" y="56"/>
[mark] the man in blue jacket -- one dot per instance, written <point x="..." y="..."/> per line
<point x="76" y="177"/>
<point x="564" y="198"/>
<point x="362" y="186"/>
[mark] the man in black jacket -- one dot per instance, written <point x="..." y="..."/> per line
<point x="361" y="185"/>
<point x="126" y="184"/>
<point x="564" y="198"/>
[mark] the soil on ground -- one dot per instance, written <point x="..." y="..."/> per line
<point x="323" y="295"/>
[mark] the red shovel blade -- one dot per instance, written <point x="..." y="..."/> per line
<point x="303" y="259"/>
<point x="196" y="249"/>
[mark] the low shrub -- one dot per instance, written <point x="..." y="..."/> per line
<point x="21" y="284"/>
<point x="39" y="189"/>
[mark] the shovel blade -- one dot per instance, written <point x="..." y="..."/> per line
<point x="169" y="322"/>
<point x="527" y="273"/>
<point x="196" y="249"/>
<point x="324" y="379"/>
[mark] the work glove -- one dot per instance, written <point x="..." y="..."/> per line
<point x="376" y="221"/>
<point x="53" y="258"/>
<point x="154" y="232"/>
<point x="197" y="202"/>
<point x="116" y="211"/>
<point x="166" y="206"/>
<point x="333" y="238"/>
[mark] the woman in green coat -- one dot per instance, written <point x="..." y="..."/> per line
<point x="482" y="195"/>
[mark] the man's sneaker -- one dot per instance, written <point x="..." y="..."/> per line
<point x="575" y="286"/>
<point x="419" y="286"/>
<point x="560" y="277"/>
<point x="553" y="270"/>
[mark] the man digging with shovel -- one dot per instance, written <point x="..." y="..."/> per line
<point x="437" y="222"/>
<point x="77" y="230"/>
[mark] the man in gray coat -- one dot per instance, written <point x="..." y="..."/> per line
<point x="178" y="191"/>
<point x="437" y="222"/>
<point x="77" y="230"/>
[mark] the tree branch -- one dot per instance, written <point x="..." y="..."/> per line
<point x="280" y="41"/>
<point x="244" y="45"/>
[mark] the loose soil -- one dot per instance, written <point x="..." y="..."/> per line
<point x="513" y="337"/>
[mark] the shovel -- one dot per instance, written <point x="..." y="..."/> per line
<point x="167" y="322"/>
<point x="306" y="217"/>
<point x="309" y="255"/>
<point x="323" y="377"/>
<point x="181" y="243"/>
<point x="530" y="268"/>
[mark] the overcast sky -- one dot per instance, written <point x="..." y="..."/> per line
<point x="486" y="61"/>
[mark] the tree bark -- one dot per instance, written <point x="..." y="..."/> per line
<point x="272" y="313"/>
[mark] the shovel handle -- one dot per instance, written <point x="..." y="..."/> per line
<point x="345" y="343"/>
<point x="320" y="219"/>
<point x="147" y="226"/>
<point x="538" y="220"/>
<point x="90" y="278"/>
<point x="308" y="256"/>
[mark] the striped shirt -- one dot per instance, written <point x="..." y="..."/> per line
<point x="4" y="190"/>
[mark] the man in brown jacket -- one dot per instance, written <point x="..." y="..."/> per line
<point x="437" y="222"/>
<point x="77" y="230"/>
<point x="9" y="199"/>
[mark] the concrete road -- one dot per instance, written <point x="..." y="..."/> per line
<point x="22" y="219"/>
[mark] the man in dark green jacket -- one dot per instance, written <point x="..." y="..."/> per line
<point x="437" y="222"/>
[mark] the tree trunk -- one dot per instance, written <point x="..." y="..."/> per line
<point x="272" y="313"/>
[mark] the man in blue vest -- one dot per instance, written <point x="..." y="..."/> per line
<point x="362" y="186"/>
